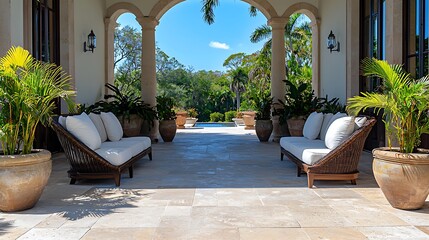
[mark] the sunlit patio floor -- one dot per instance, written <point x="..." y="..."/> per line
<point x="214" y="183"/>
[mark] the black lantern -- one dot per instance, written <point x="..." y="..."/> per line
<point x="92" y="42"/>
<point x="333" y="45"/>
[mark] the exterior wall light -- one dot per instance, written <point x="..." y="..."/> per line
<point x="333" y="45"/>
<point x="92" y="43"/>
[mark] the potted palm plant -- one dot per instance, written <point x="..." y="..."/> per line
<point x="166" y="116"/>
<point x="402" y="172"/>
<point x="28" y="89"/>
<point x="263" y="124"/>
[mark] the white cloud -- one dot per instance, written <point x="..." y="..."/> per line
<point x="219" y="45"/>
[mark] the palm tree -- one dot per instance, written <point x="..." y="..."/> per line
<point x="238" y="84"/>
<point x="297" y="38"/>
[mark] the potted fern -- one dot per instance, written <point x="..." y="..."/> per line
<point x="263" y="125"/>
<point x="28" y="89"/>
<point x="402" y="172"/>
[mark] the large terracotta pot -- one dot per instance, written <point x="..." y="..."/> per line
<point x="132" y="126"/>
<point x="22" y="179"/>
<point x="181" y="119"/>
<point x="403" y="177"/>
<point x="296" y="125"/>
<point x="249" y="120"/>
<point x="167" y="130"/>
<point x="263" y="129"/>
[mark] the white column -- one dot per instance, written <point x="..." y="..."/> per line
<point x="5" y="27"/>
<point x="394" y="39"/>
<point x="148" y="80"/>
<point x="315" y="57"/>
<point x="352" y="51"/>
<point x="278" y="67"/>
<point x="110" y="26"/>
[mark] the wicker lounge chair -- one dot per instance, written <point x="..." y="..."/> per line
<point x="87" y="164"/>
<point x="339" y="164"/>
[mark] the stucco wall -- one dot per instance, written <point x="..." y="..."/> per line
<point x="282" y="5"/>
<point x="333" y="72"/>
<point x="89" y="68"/>
<point x="144" y="6"/>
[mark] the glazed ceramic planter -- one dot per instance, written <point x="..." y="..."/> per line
<point x="403" y="177"/>
<point x="296" y="126"/>
<point x="190" y="122"/>
<point x="263" y="129"/>
<point x="167" y="130"/>
<point x="132" y="126"/>
<point x="22" y="179"/>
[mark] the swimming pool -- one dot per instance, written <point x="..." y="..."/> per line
<point x="214" y="124"/>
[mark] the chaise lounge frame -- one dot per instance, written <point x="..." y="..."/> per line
<point x="86" y="163"/>
<point x="339" y="164"/>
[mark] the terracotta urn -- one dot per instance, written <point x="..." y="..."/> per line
<point x="403" y="177"/>
<point x="249" y="120"/>
<point x="22" y="179"/>
<point x="181" y="119"/>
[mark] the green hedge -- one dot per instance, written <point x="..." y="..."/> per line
<point x="230" y="115"/>
<point x="216" y="117"/>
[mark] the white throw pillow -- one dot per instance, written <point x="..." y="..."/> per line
<point x="83" y="129"/>
<point x="326" y="120"/>
<point x="113" y="126"/>
<point x="312" y="125"/>
<point x="359" y="122"/>
<point x="96" y="119"/>
<point x="62" y="121"/>
<point x="339" y="131"/>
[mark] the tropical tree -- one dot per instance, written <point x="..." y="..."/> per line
<point x="297" y="43"/>
<point x="238" y="85"/>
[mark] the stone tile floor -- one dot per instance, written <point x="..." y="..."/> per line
<point x="214" y="183"/>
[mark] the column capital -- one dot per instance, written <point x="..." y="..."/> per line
<point x="277" y="23"/>
<point x="110" y="24"/>
<point x="315" y="23"/>
<point x="148" y="22"/>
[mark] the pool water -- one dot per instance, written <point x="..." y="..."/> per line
<point x="214" y="124"/>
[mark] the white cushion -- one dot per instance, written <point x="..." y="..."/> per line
<point x="113" y="126"/>
<point x="116" y="155"/>
<point x="326" y="120"/>
<point x="339" y="131"/>
<point x="62" y="121"/>
<point x="312" y="125"/>
<point x="83" y="129"/>
<point x="121" y="151"/>
<point x="359" y="122"/>
<point x="306" y="150"/>
<point x="96" y="119"/>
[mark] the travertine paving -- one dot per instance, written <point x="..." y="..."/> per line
<point x="214" y="183"/>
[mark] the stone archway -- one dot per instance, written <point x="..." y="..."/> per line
<point x="313" y="13"/>
<point x="162" y="6"/>
<point x="112" y="14"/>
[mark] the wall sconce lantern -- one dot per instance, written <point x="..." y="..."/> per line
<point x="333" y="45"/>
<point x="92" y="43"/>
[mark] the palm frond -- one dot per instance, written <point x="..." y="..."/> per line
<point x="208" y="10"/>
<point x="368" y="100"/>
<point x="260" y="33"/>
<point x="253" y="11"/>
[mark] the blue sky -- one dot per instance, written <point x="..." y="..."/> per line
<point x="183" y="34"/>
